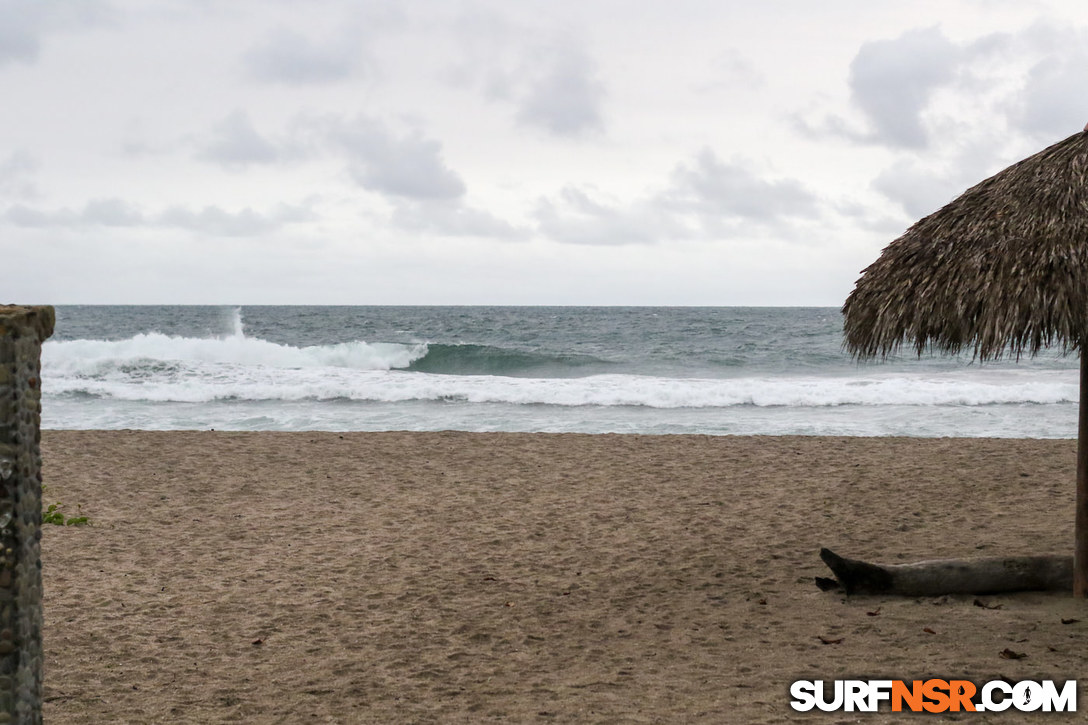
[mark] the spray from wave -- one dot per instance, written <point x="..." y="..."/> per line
<point x="153" y="351"/>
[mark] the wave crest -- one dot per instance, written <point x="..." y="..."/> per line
<point x="150" y="352"/>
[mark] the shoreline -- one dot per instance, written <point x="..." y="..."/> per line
<point x="527" y="577"/>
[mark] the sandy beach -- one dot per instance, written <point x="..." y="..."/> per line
<point x="471" y="577"/>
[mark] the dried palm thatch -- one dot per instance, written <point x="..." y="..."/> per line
<point x="1003" y="269"/>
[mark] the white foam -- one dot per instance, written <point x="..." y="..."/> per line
<point x="151" y="350"/>
<point x="357" y="371"/>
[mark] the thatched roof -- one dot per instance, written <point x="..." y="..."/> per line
<point x="1002" y="269"/>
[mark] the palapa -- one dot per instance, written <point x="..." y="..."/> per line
<point x="1000" y="271"/>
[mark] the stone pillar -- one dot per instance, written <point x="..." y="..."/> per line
<point x="22" y="331"/>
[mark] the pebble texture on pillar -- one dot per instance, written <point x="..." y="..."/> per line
<point x="22" y="331"/>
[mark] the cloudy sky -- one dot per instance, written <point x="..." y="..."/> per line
<point x="709" y="152"/>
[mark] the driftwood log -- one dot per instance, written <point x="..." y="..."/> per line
<point x="988" y="575"/>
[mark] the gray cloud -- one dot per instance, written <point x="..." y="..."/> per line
<point x="705" y="199"/>
<point x="550" y="79"/>
<point x="284" y="56"/>
<point x="16" y="176"/>
<point x="891" y="81"/>
<point x="408" y="165"/>
<point x="921" y="187"/>
<point x="116" y="213"/>
<point x="212" y="220"/>
<point x="860" y="215"/>
<point x="891" y="84"/>
<point x="24" y="216"/>
<point x="24" y="23"/>
<point x="1011" y="90"/>
<point x="733" y="71"/>
<point x="712" y="187"/>
<point x="918" y="190"/>
<point x="562" y="94"/>
<point x="1053" y="103"/>
<point x="235" y="142"/>
<point x="111" y="213"/>
<point x="403" y="165"/>
<point x="453" y="218"/>
<point x="95" y="213"/>
<point x="577" y="218"/>
<point x="1050" y="67"/>
<point x="20" y="30"/>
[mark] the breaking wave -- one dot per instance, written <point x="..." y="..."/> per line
<point x="362" y="372"/>
<point x="153" y="367"/>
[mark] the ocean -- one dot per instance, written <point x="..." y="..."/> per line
<point x="666" y="370"/>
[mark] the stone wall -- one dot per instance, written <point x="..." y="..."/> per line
<point x="22" y="331"/>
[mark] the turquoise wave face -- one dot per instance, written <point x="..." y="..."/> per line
<point x="468" y="359"/>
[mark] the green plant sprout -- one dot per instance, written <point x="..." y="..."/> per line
<point x="53" y="515"/>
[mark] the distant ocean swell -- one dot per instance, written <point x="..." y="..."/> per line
<point x="152" y="367"/>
